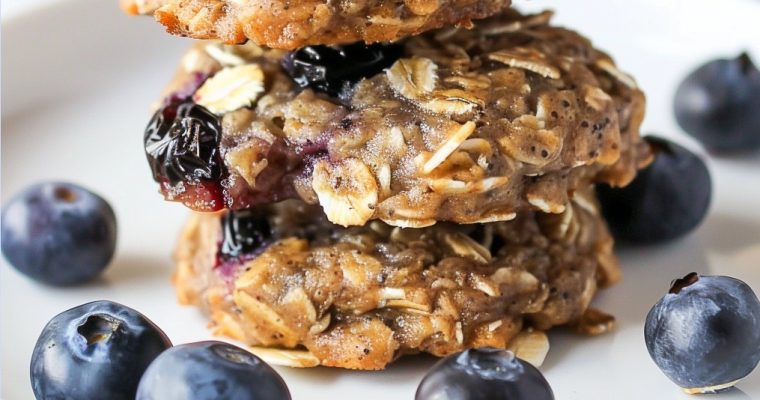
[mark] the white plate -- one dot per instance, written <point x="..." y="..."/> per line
<point x="77" y="79"/>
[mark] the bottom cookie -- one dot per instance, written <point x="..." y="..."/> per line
<point x="304" y="292"/>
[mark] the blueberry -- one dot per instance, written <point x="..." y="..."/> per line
<point x="244" y="233"/>
<point x="210" y="370"/>
<point x="719" y="104"/>
<point x="58" y="233"/>
<point x="333" y="69"/>
<point x="98" y="350"/>
<point x="484" y="374"/>
<point x="704" y="334"/>
<point x="667" y="200"/>
<point x="182" y="144"/>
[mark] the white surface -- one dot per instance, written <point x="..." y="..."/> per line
<point x="13" y="8"/>
<point x="76" y="84"/>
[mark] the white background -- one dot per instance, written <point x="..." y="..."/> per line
<point x="77" y="79"/>
<point x="12" y="8"/>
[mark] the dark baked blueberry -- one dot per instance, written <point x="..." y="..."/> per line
<point x="667" y="199"/>
<point x="58" y="233"/>
<point x="245" y="232"/>
<point x="704" y="334"/>
<point x="719" y="104"/>
<point x="182" y="144"/>
<point x="210" y="371"/>
<point x="484" y="374"/>
<point x="97" y="350"/>
<point x="332" y="69"/>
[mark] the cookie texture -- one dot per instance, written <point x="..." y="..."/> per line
<point x="466" y="126"/>
<point x="284" y="24"/>
<point x="306" y="292"/>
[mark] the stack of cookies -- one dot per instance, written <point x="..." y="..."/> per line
<point x="378" y="178"/>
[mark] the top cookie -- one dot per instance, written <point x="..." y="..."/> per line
<point x="285" y="24"/>
<point x="458" y="125"/>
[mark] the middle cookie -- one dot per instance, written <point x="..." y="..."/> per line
<point x="458" y="125"/>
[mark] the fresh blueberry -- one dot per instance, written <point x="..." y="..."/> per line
<point x="719" y="104"/>
<point x="704" y="334"/>
<point x="182" y="144"/>
<point x="58" y="233"/>
<point x="484" y="374"/>
<point x="98" y="350"/>
<point x="244" y="233"/>
<point x="210" y="370"/>
<point x="667" y="200"/>
<point x="332" y="69"/>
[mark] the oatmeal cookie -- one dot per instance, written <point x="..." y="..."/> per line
<point x="305" y="292"/>
<point x="285" y="24"/>
<point x="458" y="125"/>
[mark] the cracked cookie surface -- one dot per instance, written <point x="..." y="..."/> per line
<point x="286" y="24"/>
<point x="467" y="126"/>
<point x="305" y="292"/>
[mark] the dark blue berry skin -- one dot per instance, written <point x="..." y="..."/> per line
<point x="665" y="201"/>
<point x="245" y="232"/>
<point x="718" y="104"/>
<point x="182" y="144"/>
<point x="58" y="233"/>
<point x="484" y="374"/>
<point x="98" y="350"/>
<point x="705" y="331"/>
<point x="211" y="370"/>
<point x="334" y="69"/>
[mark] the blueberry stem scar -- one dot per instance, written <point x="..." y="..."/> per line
<point x="745" y="61"/>
<point x="65" y="194"/>
<point x="679" y="284"/>
<point x="97" y="328"/>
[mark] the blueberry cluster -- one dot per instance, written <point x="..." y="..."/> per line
<point x="104" y="350"/>
<point x="107" y="350"/>
<point x="704" y="334"/>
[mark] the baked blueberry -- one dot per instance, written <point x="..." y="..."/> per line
<point x="704" y="334"/>
<point x="333" y="69"/>
<point x="182" y="147"/>
<point x="484" y="374"/>
<point x="718" y="104"/>
<point x="665" y="201"/>
<point x="58" y="233"/>
<point x="244" y="233"/>
<point x="211" y="370"/>
<point x="182" y="143"/>
<point x="98" y="350"/>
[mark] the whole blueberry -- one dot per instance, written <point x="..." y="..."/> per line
<point x="484" y="374"/>
<point x="667" y="200"/>
<point x="58" y="233"/>
<point x="704" y="334"/>
<point x="98" y="350"/>
<point x="719" y="104"/>
<point x="182" y="144"/>
<point x="210" y="370"/>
